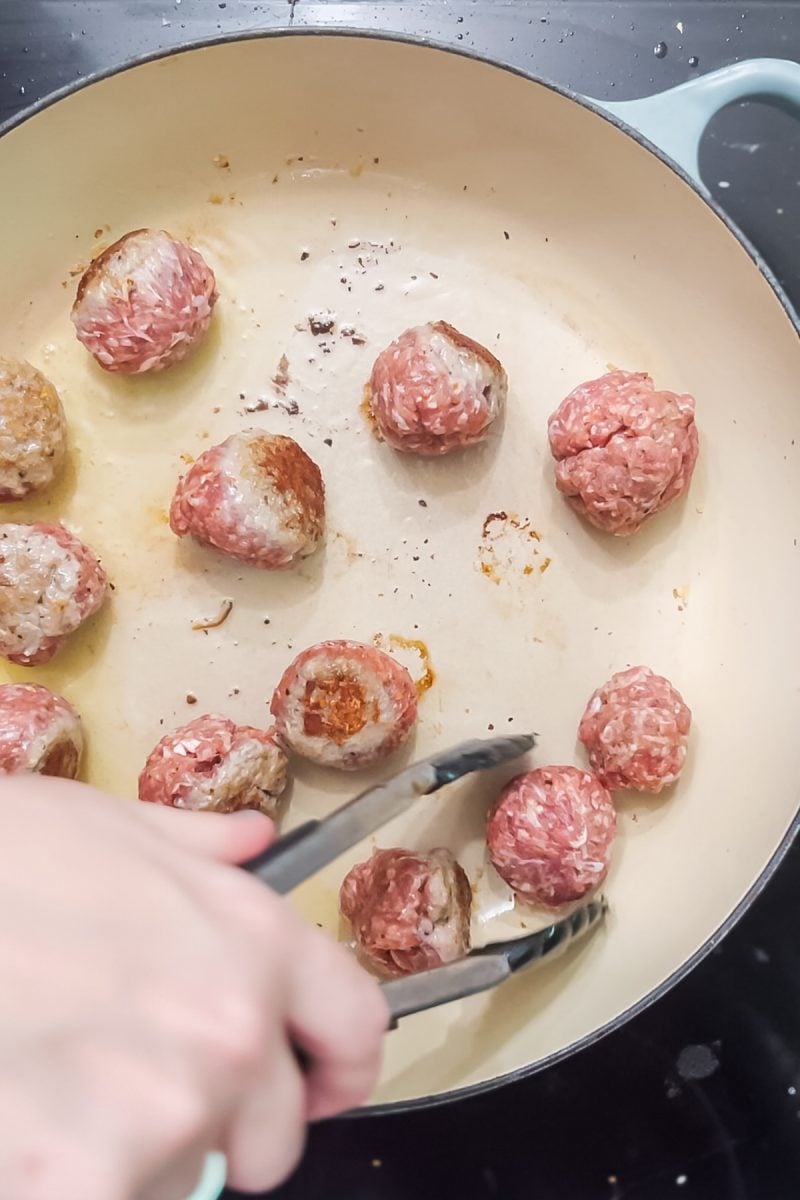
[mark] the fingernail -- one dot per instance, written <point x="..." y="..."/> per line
<point x="250" y="814"/>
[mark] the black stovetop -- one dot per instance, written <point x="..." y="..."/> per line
<point x="699" y="1097"/>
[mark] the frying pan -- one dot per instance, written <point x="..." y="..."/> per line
<point x="391" y="183"/>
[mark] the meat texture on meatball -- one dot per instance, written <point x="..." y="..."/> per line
<point x="623" y="450"/>
<point x="40" y="732"/>
<point x="408" y="911"/>
<point x="549" y="835"/>
<point x="343" y="704"/>
<point x="144" y="303"/>
<point x="257" y="497"/>
<point x="215" y="765"/>
<point x="50" y="583"/>
<point x="33" y="431"/>
<point x="434" y="390"/>
<point x="636" y="730"/>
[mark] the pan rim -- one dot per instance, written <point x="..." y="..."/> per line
<point x="779" y="854"/>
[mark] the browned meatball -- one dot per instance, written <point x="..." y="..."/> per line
<point x="33" y="431"/>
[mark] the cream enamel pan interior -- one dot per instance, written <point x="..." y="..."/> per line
<point x="436" y="187"/>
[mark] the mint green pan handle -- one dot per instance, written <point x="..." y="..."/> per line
<point x="212" y="1183"/>
<point x="674" y="120"/>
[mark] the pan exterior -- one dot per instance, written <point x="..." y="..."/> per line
<point x="527" y="220"/>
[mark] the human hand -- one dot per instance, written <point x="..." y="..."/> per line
<point x="151" y="997"/>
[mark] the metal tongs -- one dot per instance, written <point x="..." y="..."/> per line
<point x="305" y="850"/>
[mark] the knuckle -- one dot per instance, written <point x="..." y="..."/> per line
<point x="240" y="1028"/>
<point x="272" y="1167"/>
<point x="257" y="1163"/>
<point x="366" y="1005"/>
<point x="354" y="1096"/>
<point x="259" y="912"/>
<point x="347" y="1090"/>
<point x="295" y="1153"/>
<point x="182" y="1117"/>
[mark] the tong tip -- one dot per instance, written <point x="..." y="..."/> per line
<point x="480" y="755"/>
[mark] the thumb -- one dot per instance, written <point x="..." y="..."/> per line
<point x="224" y="837"/>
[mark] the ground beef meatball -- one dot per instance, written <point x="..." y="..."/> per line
<point x="434" y="390"/>
<point x="33" y="432"/>
<point x="343" y="704"/>
<point x="144" y="303"/>
<point x="636" y="728"/>
<point x="50" y="583"/>
<point x="408" y="911"/>
<point x="549" y="835"/>
<point x="623" y="450"/>
<point x="216" y="765"/>
<point x="257" y="496"/>
<point x="40" y="732"/>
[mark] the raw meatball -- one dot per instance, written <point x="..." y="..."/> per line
<point x="39" y="732"/>
<point x="408" y="911"/>
<point x="33" y="432"/>
<point x="636" y="728"/>
<point x="214" y="764"/>
<point x="50" y="583"/>
<point x="144" y="303"/>
<point x="623" y="450"/>
<point x="257" y="496"/>
<point x="344" y="705"/>
<point x="550" y="833"/>
<point x="434" y="390"/>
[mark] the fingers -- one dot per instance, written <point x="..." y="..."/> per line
<point x="228" y="837"/>
<point x="265" y="1140"/>
<point x="337" y="1018"/>
<point x="225" y="837"/>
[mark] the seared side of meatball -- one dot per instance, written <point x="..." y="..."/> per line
<point x="215" y="765"/>
<point x="408" y="911"/>
<point x="434" y="390"/>
<point x="257" y="497"/>
<point x="344" y="704"/>
<point x="623" y="450"/>
<point x="50" y="583"/>
<point x="636" y="730"/>
<point x="144" y="303"/>
<point x="40" y="732"/>
<point x="33" y="431"/>
<point x="549" y="835"/>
